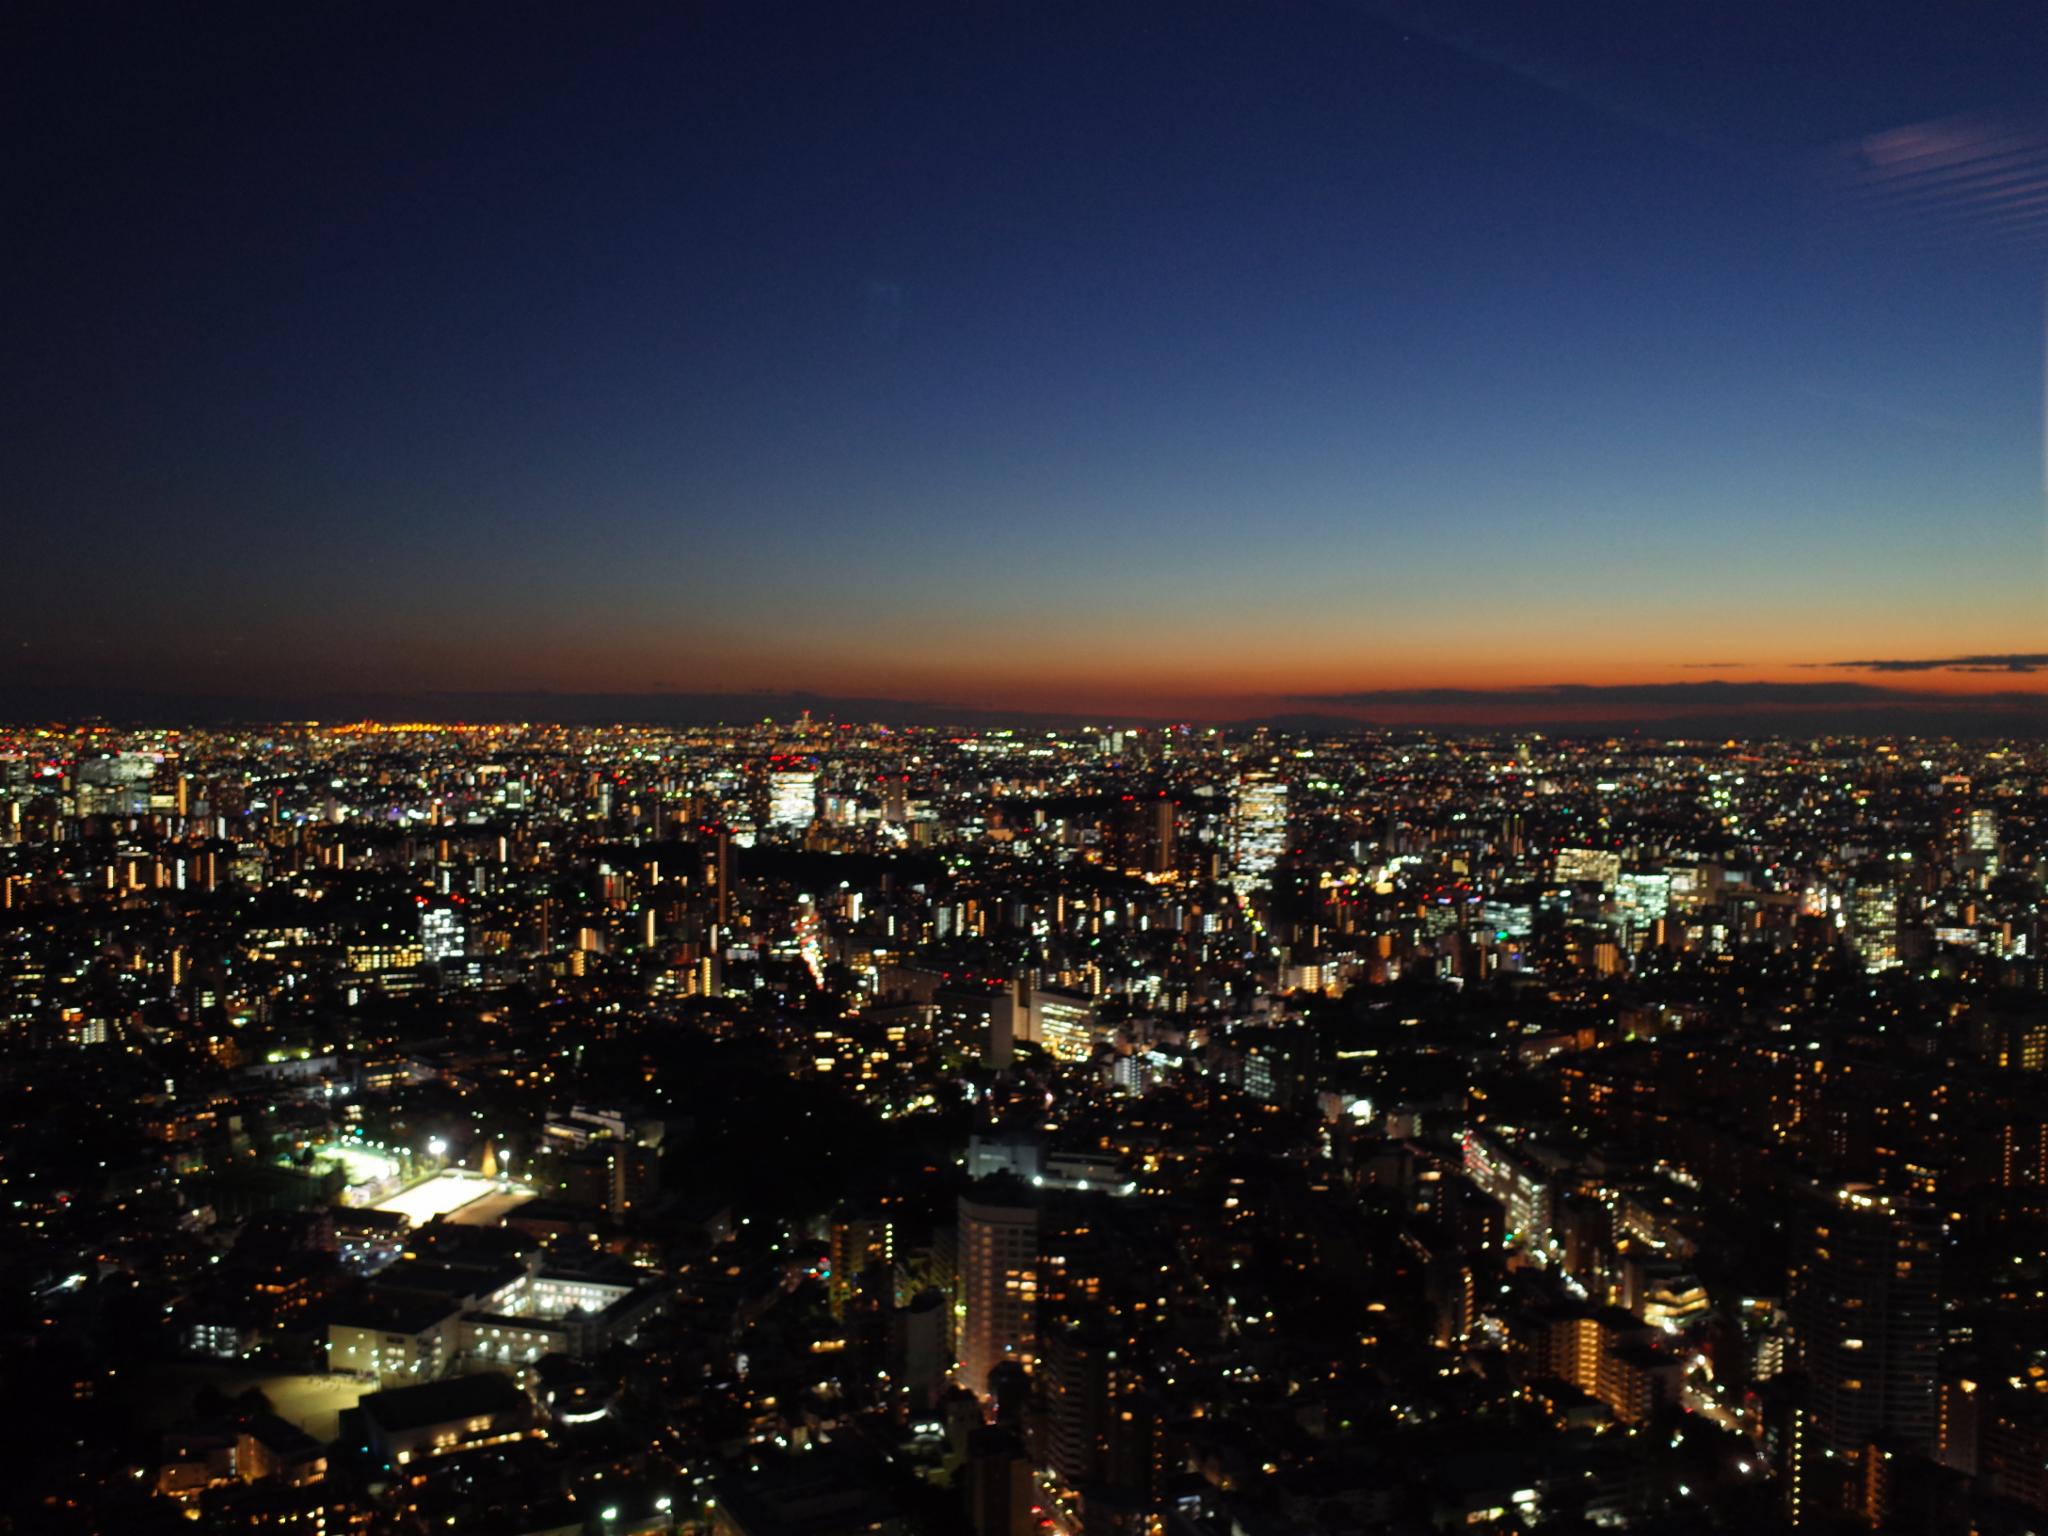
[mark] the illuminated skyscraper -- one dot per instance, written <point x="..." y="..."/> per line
<point x="792" y="799"/>
<point x="1981" y="834"/>
<point x="1258" y="830"/>
<point x="1642" y="899"/>
<point x="441" y="936"/>
<point x="1874" y="926"/>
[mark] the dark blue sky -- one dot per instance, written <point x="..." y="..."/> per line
<point x="1087" y="355"/>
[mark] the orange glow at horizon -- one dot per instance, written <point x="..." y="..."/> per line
<point x="1142" y="666"/>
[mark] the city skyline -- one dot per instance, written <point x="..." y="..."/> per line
<point x="1030" y="768"/>
<point x="1695" y="707"/>
<point x="1212" y="367"/>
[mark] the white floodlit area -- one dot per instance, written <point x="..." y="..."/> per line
<point x="441" y="1195"/>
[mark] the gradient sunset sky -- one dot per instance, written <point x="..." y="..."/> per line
<point x="1167" y="358"/>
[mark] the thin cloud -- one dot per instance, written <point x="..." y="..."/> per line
<point x="1720" y="706"/>
<point x="1979" y="178"/>
<point x="1715" y="693"/>
<point x="2009" y="661"/>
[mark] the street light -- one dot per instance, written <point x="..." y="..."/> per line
<point x="437" y="1147"/>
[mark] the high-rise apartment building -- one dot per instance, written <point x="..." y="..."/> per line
<point x="1098" y="1428"/>
<point x="998" y="1267"/>
<point x="1522" y="1190"/>
<point x="859" y="1239"/>
<point x="1868" y="1314"/>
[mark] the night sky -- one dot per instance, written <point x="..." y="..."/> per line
<point x="1161" y="358"/>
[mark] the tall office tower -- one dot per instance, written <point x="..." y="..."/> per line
<point x="441" y="937"/>
<point x="1065" y="1024"/>
<point x="1642" y="899"/>
<point x="1159" y="848"/>
<point x="1868" y="1318"/>
<point x="1977" y="841"/>
<point x="1010" y="1020"/>
<point x="792" y="799"/>
<point x="1874" y="926"/>
<point x="717" y="851"/>
<point x="896" y="799"/>
<point x="721" y="873"/>
<point x="1981" y="830"/>
<point x="998" y="1279"/>
<point x="1258" y="830"/>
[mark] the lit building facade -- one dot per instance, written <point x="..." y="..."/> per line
<point x="998" y="1298"/>
<point x="792" y="799"/>
<point x="1258" y="830"/>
